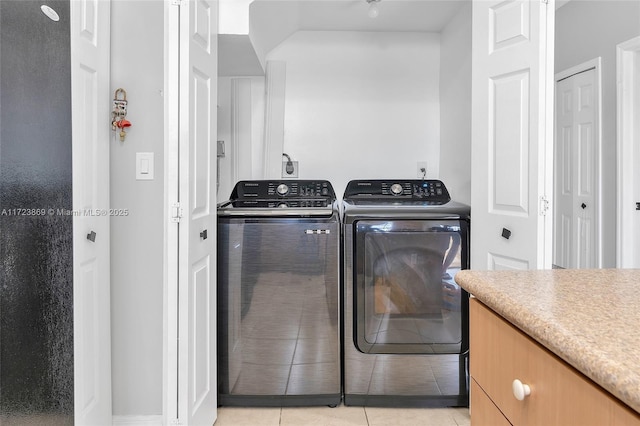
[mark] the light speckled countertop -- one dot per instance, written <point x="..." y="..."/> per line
<point x="590" y="318"/>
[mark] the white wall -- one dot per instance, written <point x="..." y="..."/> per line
<point x="136" y="241"/>
<point x="586" y="30"/>
<point x="455" y="106"/>
<point x="361" y="105"/>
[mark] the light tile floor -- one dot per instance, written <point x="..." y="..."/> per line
<point x="342" y="416"/>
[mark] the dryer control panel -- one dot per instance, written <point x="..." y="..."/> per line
<point x="427" y="190"/>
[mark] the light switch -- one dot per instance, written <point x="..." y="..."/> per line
<point x="144" y="165"/>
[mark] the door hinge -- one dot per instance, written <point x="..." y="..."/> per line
<point x="175" y="213"/>
<point x="544" y="205"/>
<point x="545" y="1"/>
<point x="178" y="2"/>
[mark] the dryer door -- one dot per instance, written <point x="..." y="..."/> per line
<point x="406" y="300"/>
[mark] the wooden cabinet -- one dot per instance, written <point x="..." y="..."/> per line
<point x="560" y="395"/>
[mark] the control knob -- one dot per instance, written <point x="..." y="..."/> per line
<point x="396" y="189"/>
<point x="282" y="189"/>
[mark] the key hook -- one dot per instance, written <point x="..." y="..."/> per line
<point x="119" y="113"/>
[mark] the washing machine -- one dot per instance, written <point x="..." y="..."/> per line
<point x="278" y="289"/>
<point x="406" y="332"/>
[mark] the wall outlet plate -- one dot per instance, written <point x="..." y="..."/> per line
<point x="295" y="170"/>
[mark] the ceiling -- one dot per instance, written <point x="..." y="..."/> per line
<point x="351" y="15"/>
<point x="273" y="21"/>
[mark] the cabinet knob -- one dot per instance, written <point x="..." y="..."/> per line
<point x="520" y="390"/>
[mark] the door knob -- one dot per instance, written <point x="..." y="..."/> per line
<point x="583" y="205"/>
<point x="92" y="236"/>
<point x="203" y="234"/>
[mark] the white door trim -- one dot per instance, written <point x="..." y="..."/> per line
<point x="628" y="135"/>
<point x="595" y="64"/>
<point x="171" y="182"/>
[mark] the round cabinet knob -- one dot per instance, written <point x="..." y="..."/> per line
<point x="520" y="390"/>
<point x="282" y="189"/>
<point x="396" y="189"/>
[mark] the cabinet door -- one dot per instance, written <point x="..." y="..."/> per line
<point x="485" y="412"/>
<point x="499" y="353"/>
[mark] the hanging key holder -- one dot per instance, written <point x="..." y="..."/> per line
<point x="119" y="113"/>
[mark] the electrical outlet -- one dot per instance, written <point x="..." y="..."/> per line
<point x="421" y="169"/>
<point x="293" y="174"/>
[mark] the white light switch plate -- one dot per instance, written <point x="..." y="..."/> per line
<point x="144" y="165"/>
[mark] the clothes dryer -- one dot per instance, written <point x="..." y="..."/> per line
<point x="405" y="319"/>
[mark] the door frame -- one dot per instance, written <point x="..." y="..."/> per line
<point x="628" y="132"/>
<point x="172" y="213"/>
<point x="595" y="64"/>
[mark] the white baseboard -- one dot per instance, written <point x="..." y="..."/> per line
<point x="137" y="420"/>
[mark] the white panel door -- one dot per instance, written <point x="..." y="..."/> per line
<point x="512" y="97"/>
<point x="91" y="131"/>
<point x="628" y="147"/>
<point x="575" y="169"/>
<point x="197" y="385"/>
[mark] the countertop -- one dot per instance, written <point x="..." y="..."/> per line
<point x="588" y="317"/>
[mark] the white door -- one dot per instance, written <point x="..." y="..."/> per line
<point x="91" y="132"/>
<point x="575" y="206"/>
<point x="512" y="134"/>
<point x="197" y="385"/>
<point x="628" y="129"/>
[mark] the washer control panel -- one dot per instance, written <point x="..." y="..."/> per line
<point x="284" y="203"/>
<point x="431" y="190"/>
<point x="275" y="189"/>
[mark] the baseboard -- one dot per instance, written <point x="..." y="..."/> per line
<point x="137" y="420"/>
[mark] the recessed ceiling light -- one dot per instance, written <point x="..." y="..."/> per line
<point x="51" y="14"/>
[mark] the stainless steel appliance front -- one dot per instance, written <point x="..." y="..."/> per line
<point x="405" y="319"/>
<point x="278" y="289"/>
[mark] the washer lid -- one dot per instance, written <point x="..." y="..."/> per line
<point x="274" y="208"/>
